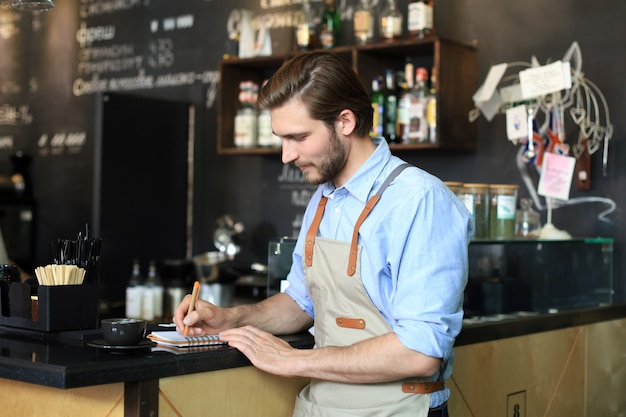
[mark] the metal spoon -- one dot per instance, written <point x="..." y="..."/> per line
<point x="530" y="152"/>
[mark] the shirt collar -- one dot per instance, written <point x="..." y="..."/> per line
<point x="361" y="183"/>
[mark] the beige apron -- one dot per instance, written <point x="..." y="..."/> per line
<point x="344" y="315"/>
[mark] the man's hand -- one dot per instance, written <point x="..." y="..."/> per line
<point x="206" y="318"/>
<point x="267" y="352"/>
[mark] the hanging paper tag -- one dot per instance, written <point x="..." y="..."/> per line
<point x="488" y="88"/>
<point x="516" y="126"/>
<point x="536" y="82"/>
<point x="556" y="176"/>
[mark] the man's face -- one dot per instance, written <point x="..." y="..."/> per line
<point x="307" y="143"/>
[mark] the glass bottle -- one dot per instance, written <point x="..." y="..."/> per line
<point x="305" y="30"/>
<point x="404" y="103"/>
<point x="329" y="29"/>
<point x="390" y="22"/>
<point x="378" y="105"/>
<point x="420" y="18"/>
<point x="246" y="117"/>
<point x="431" y="108"/>
<point x="134" y="293"/>
<point x="391" y="107"/>
<point x="264" y="127"/>
<point x="363" y="23"/>
<point x="418" y="126"/>
<point x="155" y="287"/>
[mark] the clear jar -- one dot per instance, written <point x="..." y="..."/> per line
<point x="502" y="208"/>
<point x="476" y="199"/>
<point x="527" y="222"/>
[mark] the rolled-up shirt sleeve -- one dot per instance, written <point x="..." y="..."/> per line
<point x="419" y="268"/>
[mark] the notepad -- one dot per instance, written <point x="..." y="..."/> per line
<point x="173" y="338"/>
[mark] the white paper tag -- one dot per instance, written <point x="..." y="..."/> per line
<point x="536" y="82"/>
<point x="516" y="123"/>
<point x="491" y="107"/>
<point x="487" y="89"/>
<point x="556" y="176"/>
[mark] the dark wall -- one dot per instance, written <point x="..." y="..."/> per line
<point x="55" y="64"/>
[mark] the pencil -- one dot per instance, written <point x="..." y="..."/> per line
<point x="194" y="296"/>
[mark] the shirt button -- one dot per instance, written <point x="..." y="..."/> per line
<point x="337" y="210"/>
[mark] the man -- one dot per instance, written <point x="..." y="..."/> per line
<point x="379" y="267"/>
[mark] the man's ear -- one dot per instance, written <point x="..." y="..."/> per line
<point x="346" y="122"/>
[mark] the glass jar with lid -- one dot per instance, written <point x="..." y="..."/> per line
<point x="502" y="210"/>
<point x="527" y="222"/>
<point x="476" y="199"/>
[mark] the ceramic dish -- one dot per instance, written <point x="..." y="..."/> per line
<point x="103" y="344"/>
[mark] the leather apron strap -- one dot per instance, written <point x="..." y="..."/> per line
<point x="344" y="315"/>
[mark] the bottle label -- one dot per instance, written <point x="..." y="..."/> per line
<point x="506" y="207"/>
<point x="327" y="39"/>
<point x="420" y="18"/>
<point x="391" y="27"/>
<point x="303" y="35"/>
<point x="134" y="302"/>
<point x="377" y="125"/>
<point x="265" y="129"/>
<point x="403" y="111"/>
<point x="362" y="22"/>
<point x="245" y="129"/>
<point x="418" y="127"/>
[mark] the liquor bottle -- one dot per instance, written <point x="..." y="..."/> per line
<point x="431" y="108"/>
<point x="134" y="293"/>
<point x="305" y="30"/>
<point x="420" y="18"/>
<point x="329" y="29"/>
<point x="154" y="292"/>
<point x="246" y="117"/>
<point x="363" y="23"/>
<point x="378" y="105"/>
<point x="390" y="22"/>
<point x="391" y="107"/>
<point x="267" y="138"/>
<point x="265" y="135"/>
<point x="418" y="125"/>
<point x="404" y="104"/>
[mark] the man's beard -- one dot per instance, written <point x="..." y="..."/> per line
<point x="332" y="164"/>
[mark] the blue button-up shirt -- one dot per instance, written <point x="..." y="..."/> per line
<point x="414" y="252"/>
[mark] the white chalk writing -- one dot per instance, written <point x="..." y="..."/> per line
<point x="100" y="7"/>
<point x="61" y="143"/>
<point x="85" y="36"/>
<point x="6" y="142"/>
<point x="11" y="115"/>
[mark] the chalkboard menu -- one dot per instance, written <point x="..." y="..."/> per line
<point x="58" y="66"/>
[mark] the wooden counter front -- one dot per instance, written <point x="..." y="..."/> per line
<point x="577" y="371"/>
<point x="237" y="392"/>
<point x="569" y="364"/>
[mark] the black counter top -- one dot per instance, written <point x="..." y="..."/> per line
<point x="511" y="325"/>
<point x="67" y="362"/>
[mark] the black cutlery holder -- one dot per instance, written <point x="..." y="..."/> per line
<point x="56" y="308"/>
